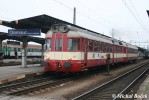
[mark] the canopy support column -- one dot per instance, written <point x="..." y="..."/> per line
<point x="24" y="52"/>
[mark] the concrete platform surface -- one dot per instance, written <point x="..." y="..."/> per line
<point x="143" y="92"/>
<point x="10" y="73"/>
<point x="20" y="60"/>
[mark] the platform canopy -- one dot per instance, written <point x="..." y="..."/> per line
<point x="43" y="22"/>
<point x="4" y="36"/>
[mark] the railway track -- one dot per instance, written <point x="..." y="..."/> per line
<point x="32" y="85"/>
<point x="115" y="88"/>
<point x="29" y="86"/>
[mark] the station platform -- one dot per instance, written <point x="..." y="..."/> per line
<point x="11" y="73"/>
<point x="20" y="60"/>
<point x="143" y="91"/>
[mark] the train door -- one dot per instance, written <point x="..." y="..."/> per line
<point x="112" y="49"/>
<point x="115" y="54"/>
<point x="85" y="49"/>
<point x="59" y="44"/>
<point x="125" y="54"/>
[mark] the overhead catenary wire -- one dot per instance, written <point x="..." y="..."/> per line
<point x="63" y="5"/>
<point x="133" y="14"/>
<point x="135" y="10"/>
<point x="138" y="15"/>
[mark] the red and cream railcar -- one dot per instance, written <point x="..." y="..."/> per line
<point x="71" y="49"/>
<point x="132" y="53"/>
<point x="124" y="52"/>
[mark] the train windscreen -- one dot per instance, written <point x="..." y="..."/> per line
<point x="47" y="45"/>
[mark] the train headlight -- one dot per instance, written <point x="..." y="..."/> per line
<point x="69" y="58"/>
<point x="46" y="57"/>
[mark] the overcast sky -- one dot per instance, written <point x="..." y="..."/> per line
<point x="128" y="18"/>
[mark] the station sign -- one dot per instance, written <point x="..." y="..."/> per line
<point x="24" y="32"/>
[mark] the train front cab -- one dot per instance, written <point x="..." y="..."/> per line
<point x="65" y="54"/>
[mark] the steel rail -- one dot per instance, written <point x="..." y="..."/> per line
<point x="133" y="82"/>
<point x="37" y="87"/>
<point x="5" y="88"/>
<point x="102" y="88"/>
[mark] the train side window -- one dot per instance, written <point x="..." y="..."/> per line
<point x="95" y="46"/>
<point x="73" y="44"/>
<point x="28" y="49"/>
<point x="117" y="49"/>
<point x="104" y="47"/>
<point x="108" y="47"/>
<point x="19" y="49"/>
<point x="35" y="50"/>
<point x="40" y="50"/>
<point x="100" y="46"/>
<point x="111" y="48"/>
<point x="90" y="45"/>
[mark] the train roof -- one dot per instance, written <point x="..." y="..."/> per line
<point x="132" y="46"/>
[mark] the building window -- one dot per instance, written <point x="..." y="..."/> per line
<point x="73" y="44"/>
